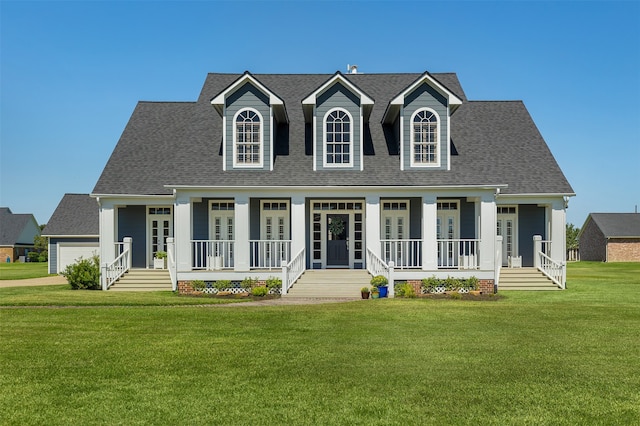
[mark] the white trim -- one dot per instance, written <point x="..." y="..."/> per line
<point x="324" y="140"/>
<point x="224" y="139"/>
<point x="401" y="139"/>
<point x="447" y="138"/>
<point x="237" y="165"/>
<point x="220" y="99"/>
<point x="271" y="142"/>
<point x="452" y="99"/>
<point x="412" y="161"/>
<point x="311" y="99"/>
<point x="70" y="236"/>
<point x="361" y="139"/>
<point x="315" y="139"/>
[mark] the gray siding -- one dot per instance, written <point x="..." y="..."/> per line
<point x="338" y="96"/>
<point x="132" y="223"/>
<point x="415" y="218"/>
<point x="53" y="249"/>
<point x="248" y="96"/>
<point x="531" y="221"/>
<point x="254" y="219"/>
<point x="201" y="220"/>
<point x="467" y="219"/>
<point x="424" y="96"/>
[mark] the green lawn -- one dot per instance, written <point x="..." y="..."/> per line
<point x="566" y="357"/>
<point x="19" y="271"/>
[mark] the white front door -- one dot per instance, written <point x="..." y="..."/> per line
<point x="395" y="227"/>
<point x="160" y="223"/>
<point x="506" y="227"/>
<point x="447" y="226"/>
<point x="274" y="227"/>
<point x="221" y="231"/>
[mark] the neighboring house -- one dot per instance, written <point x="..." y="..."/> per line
<point x="611" y="237"/>
<point x="73" y="231"/>
<point x="17" y="232"/>
<point x="332" y="171"/>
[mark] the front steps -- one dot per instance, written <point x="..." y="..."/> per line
<point x="524" y="279"/>
<point x="143" y="280"/>
<point x="330" y="283"/>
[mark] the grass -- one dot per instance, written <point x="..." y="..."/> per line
<point x="566" y="357"/>
<point x="20" y="271"/>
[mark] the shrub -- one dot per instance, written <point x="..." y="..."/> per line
<point x="221" y="285"/>
<point x="472" y="283"/>
<point x="452" y="284"/>
<point x="273" y="283"/>
<point x="259" y="291"/>
<point x="84" y="274"/>
<point x="249" y="283"/>
<point x="161" y="255"/>
<point x="429" y="284"/>
<point x="404" y="290"/>
<point x="43" y="256"/>
<point x="379" y="281"/>
<point x="33" y="256"/>
<point x="198" y="285"/>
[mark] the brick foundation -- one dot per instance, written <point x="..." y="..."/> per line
<point x="184" y="287"/>
<point x="486" y="286"/>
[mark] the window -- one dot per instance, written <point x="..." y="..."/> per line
<point x="424" y="144"/>
<point x="338" y="138"/>
<point x="248" y="138"/>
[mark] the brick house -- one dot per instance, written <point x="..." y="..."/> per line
<point x="611" y="237"/>
<point x="17" y="232"/>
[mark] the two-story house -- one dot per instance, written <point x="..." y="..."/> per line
<point x="395" y="173"/>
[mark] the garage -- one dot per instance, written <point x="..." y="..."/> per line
<point x="69" y="253"/>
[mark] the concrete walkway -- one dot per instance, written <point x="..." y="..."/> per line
<point x="30" y="282"/>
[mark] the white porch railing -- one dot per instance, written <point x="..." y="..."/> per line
<point x="293" y="270"/>
<point x="268" y="254"/>
<point x="377" y="266"/>
<point x="403" y="253"/>
<point x="458" y="253"/>
<point x="552" y="269"/>
<point x="111" y="272"/>
<point x="212" y="254"/>
<point x="546" y="247"/>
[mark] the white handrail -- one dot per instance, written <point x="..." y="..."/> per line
<point x="552" y="269"/>
<point x="293" y="270"/>
<point x="114" y="270"/>
<point x="212" y="254"/>
<point x="375" y="265"/>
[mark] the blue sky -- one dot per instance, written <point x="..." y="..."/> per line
<point x="72" y="72"/>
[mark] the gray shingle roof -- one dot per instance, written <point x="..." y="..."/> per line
<point x="77" y="214"/>
<point x="12" y="226"/>
<point x="171" y="143"/>
<point x="617" y="225"/>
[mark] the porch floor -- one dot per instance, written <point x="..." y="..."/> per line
<point x="330" y="283"/>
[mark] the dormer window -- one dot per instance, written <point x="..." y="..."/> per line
<point x="338" y="138"/>
<point x="248" y="138"/>
<point x="424" y="138"/>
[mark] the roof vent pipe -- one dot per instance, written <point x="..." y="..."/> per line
<point x="352" y="69"/>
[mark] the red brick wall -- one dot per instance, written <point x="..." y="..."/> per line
<point x="486" y="286"/>
<point x="623" y="250"/>
<point x="6" y="252"/>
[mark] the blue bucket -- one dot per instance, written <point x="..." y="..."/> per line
<point x="383" y="291"/>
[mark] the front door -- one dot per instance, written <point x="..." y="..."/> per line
<point x="160" y="227"/>
<point x="338" y="240"/>
<point x="447" y="234"/>
<point x="506" y="228"/>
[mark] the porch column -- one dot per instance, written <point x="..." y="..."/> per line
<point x="242" y="250"/>
<point x="558" y="233"/>
<point x="107" y="232"/>
<point x="182" y="233"/>
<point x="487" y="232"/>
<point x="429" y="232"/>
<point x="298" y="231"/>
<point x="372" y="222"/>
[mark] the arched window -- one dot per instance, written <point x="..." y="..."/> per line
<point x="425" y="141"/>
<point x="337" y="138"/>
<point x="248" y="138"/>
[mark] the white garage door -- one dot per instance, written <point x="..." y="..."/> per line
<point x="69" y="253"/>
